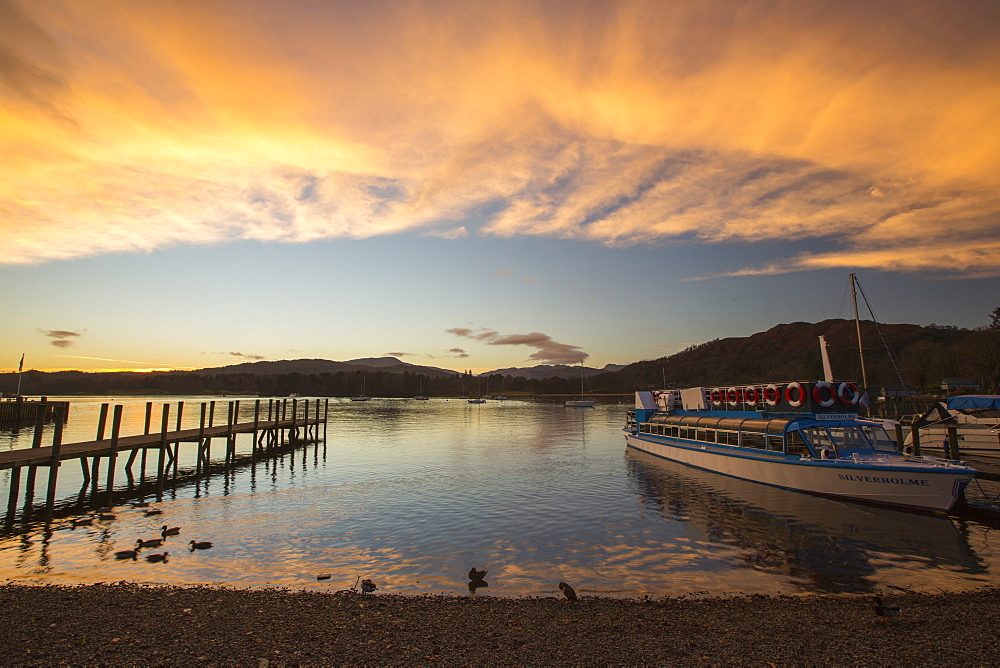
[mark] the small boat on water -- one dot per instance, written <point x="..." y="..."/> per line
<point x="975" y="416"/>
<point x="805" y="436"/>
<point x="477" y="401"/>
<point x="581" y="402"/>
<point x="362" y="396"/>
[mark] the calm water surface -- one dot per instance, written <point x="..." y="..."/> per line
<point x="414" y="493"/>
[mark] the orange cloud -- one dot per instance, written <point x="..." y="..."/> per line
<point x="132" y="126"/>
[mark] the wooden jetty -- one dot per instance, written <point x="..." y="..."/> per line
<point x="20" y="412"/>
<point x="285" y="421"/>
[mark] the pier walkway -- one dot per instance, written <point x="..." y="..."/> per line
<point x="285" y="422"/>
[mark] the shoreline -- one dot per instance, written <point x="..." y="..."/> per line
<point x="118" y="624"/>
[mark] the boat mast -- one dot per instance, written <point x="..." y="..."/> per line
<point x="857" y="324"/>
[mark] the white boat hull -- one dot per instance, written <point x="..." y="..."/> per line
<point x="907" y="483"/>
<point x="972" y="440"/>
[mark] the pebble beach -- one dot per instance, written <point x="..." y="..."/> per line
<point x="129" y="624"/>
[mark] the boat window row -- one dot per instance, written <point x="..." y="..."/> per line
<point x="768" y="435"/>
<point x="759" y="436"/>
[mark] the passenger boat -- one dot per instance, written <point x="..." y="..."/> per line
<point x="805" y="436"/>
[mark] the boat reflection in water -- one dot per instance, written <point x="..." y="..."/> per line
<point x="819" y="544"/>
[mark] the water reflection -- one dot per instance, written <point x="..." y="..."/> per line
<point x="410" y="494"/>
<point x="821" y="544"/>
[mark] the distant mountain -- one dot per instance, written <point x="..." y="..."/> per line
<point x="316" y="366"/>
<point x="552" y="371"/>
<point x="921" y="355"/>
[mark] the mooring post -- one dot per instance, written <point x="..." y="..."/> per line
<point x="15" y="488"/>
<point x="102" y="423"/>
<point x="50" y="497"/>
<point x="116" y="425"/>
<point x="899" y="436"/>
<point x="232" y="412"/>
<point x="163" y="446"/>
<point x="176" y="455"/>
<point x="915" y="436"/>
<point x="201" y="439"/>
<point x="953" y="452"/>
<point x="29" y="483"/>
<point x="256" y="422"/>
<point x="326" y="418"/>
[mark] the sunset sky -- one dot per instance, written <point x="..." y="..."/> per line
<point x="476" y="185"/>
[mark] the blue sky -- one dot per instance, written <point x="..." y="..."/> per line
<point x="482" y="185"/>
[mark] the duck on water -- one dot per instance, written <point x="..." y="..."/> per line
<point x="801" y="435"/>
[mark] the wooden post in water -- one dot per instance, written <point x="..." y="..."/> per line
<point x="116" y="425"/>
<point x="201" y="440"/>
<point x="163" y="446"/>
<point x="29" y="483"/>
<point x="899" y="436"/>
<point x="953" y="452"/>
<point x="50" y="497"/>
<point x="15" y="488"/>
<point x="256" y="422"/>
<point x="176" y="456"/>
<point x="102" y="423"/>
<point x="234" y="411"/>
<point x="915" y="434"/>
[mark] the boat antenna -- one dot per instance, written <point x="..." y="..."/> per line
<point x="857" y="324"/>
<point x="881" y="334"/>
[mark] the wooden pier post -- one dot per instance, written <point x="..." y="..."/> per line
<point x="899" y="436"/>
<point x="15" y="488"/>
<point x="29" y="483"/>
<point x="50" y="497"/>
<point x="256" y="422"/>
<point x="953" y="452"/>
<point x="915" y="433"/>
<point x="102" y="423"/>
<point x="201" y="440"/>
<point x="116" y="425"/>
<point x="163" y="446"/>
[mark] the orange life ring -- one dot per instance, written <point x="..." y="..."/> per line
<point x="772" y="395"/>
<point x="800" y="394"/>
<point x="750" y="395"/>
<point x="817" y="393"/>
<point x="848" y="394"/>
<point x="716" y="396"/>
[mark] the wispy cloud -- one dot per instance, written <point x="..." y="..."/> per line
<point x="135" y="126"/>
<point x="247" y="356"/>
<point x="61" y="338"/>
<point x="547" y="349"/>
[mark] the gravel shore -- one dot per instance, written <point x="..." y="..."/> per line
<point x="127" y="624"/>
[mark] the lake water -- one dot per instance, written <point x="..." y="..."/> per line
<point x="413" y="493"/>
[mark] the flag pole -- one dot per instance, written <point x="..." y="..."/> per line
<point x="20" y="369"/>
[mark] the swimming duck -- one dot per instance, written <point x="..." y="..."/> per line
<point x="157" y="558"/>
<point x="82" y="521"/>
<point x="367" y="586"/>
<point x="886" y="610"/>
<point x="127" y="554"/>
<point x="152" y="542"/>
<point x="568" y="591"/>
<point x="149" y="512"/>
<point x="200" y="545"/>
<point x="476" y="575"/>
<point x="169" y="532"/>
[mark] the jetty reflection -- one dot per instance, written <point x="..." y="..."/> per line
<point x="821" y="544"/>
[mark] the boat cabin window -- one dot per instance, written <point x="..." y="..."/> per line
<point x="849" y="438"/>
<point x="706" y="435"/>
<point x="797" y="445"/>
<point x="880" y="440"/>
<point x="729" y="437"/>
<point x="754" y="440"/>
<point x="775" y="443"/>
<point x="819" y="438"/>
